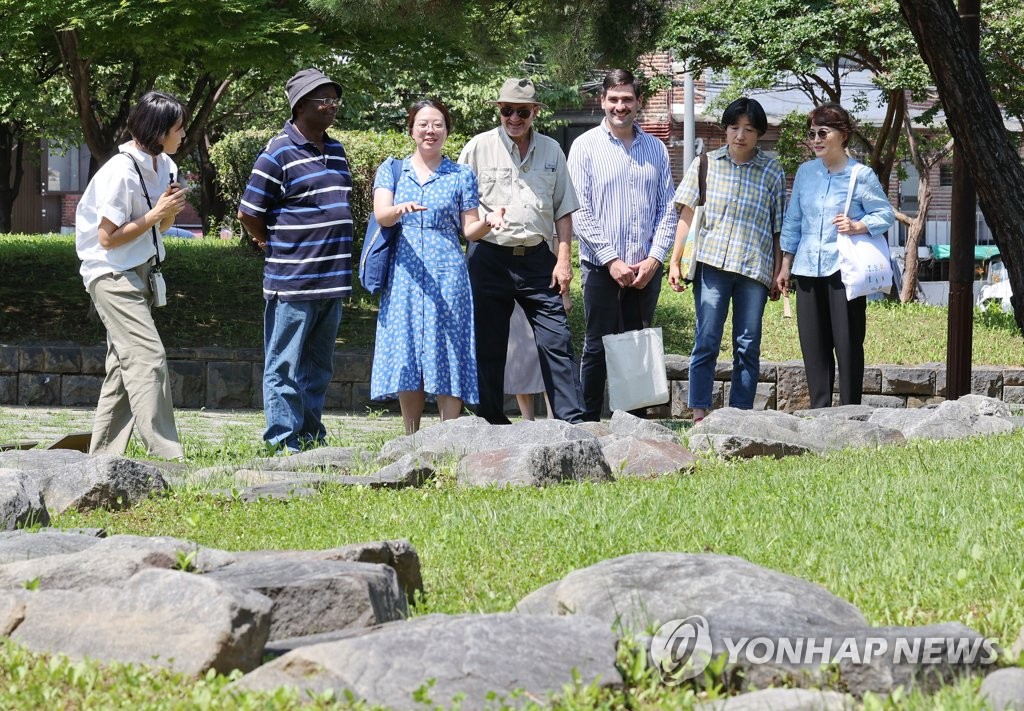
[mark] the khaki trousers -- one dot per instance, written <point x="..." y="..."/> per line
<point x="137" y="389"/>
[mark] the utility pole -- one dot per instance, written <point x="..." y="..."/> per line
<point x="963" y="232"/>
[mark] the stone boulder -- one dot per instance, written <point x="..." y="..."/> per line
<point x="314" y="596"/>
<point x="109" y="562"/>
<point x="536" y="465"/>
<point x="322" y="458"/>
<point x="21" y="504"/>
<point x="628" y="456"/>
<point x="188" y="623"/>
<point x="949" y="420"/>
<point x="468" y="435"/>
<point x="829" y="433"/>
<point x="26" y="545"/>
<point x="782" y="700"/>
<point x="624" y="424"/>
<point x="730" y="432"/>
<point x="69" y="479"/>
<point x="1003" y="690"/>
<point x="646" y="590"/>
<point x="467" y="656"/>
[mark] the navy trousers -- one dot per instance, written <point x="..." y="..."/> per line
<point x="501" y="276"/>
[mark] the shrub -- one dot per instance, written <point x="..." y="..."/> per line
<point x="234" y="154"/>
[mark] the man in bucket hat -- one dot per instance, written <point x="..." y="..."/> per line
<point x="525" y="190"/>
<point x="296" y="208"/>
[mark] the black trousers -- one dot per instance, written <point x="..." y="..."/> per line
<point x="608" y="308"/>
<point x="831" y="328"/>
<point x="499" y="277"/>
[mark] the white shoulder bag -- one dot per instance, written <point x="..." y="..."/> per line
<point x="865" y="264"/>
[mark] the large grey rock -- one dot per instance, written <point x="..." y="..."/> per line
<point x="841" y="412"/>
<point x="627" y="425"/>
<point x="26" y="545"/>
<point x="467" y="435"/>
<point x="536" y="465"/>
<point x="949" y="420"/>
<point x="782" y="700"/>
<point x="109" y="562"/>
<point x="314" y="596"/>
<point x="1004" y="689"/>
<point x="399" y="554"/>
<point x="98" y="482"/>
<point x="188" y="623"/>
<point x="410" y="470"/>
<point x="469" y="655"/>
<point x="648" y="589"/>
<point x="981" y="405"/>
<point x="834" y="433"/>
<point x="730" y="432"/>
<point x="41" y="460"/>
<point x="21" y="504"/>
<point x="628" y="456"/>
<point x="924" y="658"/>
<point x="323" y="458"/>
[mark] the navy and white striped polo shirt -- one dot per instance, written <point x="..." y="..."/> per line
<point x="303" y="195"/>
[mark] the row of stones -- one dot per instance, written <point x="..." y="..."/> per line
<point x="220" y="378"/>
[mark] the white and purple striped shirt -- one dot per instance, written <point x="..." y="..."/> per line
<point x="626" y="197"/>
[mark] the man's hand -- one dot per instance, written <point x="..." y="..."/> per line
<point x="621" y="272"/>
<point x="561" y="276"/>
<point x="644" y="272"/>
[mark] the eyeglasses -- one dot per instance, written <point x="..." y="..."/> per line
<point x="821" y="134"/>
<point x="328" y="102"/>
<point x="507" y="111"/>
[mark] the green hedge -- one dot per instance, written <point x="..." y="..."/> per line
<point x="234" y="154"/>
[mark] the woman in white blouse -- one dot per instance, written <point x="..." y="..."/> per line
<point x="119" y="222"/>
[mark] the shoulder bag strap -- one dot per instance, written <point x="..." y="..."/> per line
<point x="145" y="191"/>
<point x="702" y="179"/>
<point x="396" y="171"/>
<point x="849" y="191"/>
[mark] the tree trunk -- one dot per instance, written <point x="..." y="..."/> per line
<point x="977" y="126"/>
<point x="914" y="234"/>
<point x="12" y="149"/>
<point x="212" y="208"/>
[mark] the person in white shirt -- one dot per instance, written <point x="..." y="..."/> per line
<point x="130" y="201"/>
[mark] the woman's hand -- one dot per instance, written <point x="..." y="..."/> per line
<point x="496" y="219"/>
<point x="169" y="204"/>
<point x="407" y="208"/>
<point x="675" y="276"/>
<point x="782" y="280"/>
<point x="847" y="226"/>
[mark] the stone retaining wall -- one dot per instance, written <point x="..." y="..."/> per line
<point x="220" y="378"/>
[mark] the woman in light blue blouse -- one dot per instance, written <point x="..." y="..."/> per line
<point x="831" y="327"/>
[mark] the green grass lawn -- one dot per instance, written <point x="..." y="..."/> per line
<point x="215" y="299"/>
<point x="911" y="535"/>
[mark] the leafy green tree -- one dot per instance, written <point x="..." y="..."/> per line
<point x="32" y="104"/>
<point x="976" y="122"/>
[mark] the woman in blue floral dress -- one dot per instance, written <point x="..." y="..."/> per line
<point x="425" y="340"/>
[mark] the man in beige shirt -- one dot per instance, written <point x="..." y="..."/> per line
<point x="526" y="195"/>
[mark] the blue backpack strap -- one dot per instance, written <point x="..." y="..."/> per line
<point x="396" y="171"/>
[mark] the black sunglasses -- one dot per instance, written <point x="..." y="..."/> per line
<point x="507" y="111"/>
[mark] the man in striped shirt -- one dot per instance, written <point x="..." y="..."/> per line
<point x="625" y="226"/>
<point x="296" y="208"/>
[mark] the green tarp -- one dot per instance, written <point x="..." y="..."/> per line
<point x="981" y="253"/>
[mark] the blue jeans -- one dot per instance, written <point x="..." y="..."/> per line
<point x="712" y="291"/>
<point x="298" y="342"/>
